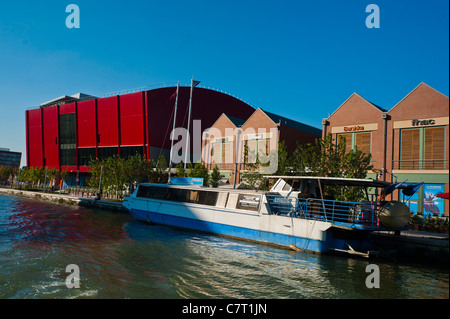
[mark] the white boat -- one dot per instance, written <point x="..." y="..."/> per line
<point x="294" y="213"/>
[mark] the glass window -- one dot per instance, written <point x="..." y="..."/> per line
<point x="67" y="140"/>
<point x="348" y="141"/>
<point x="363" y="141"/>
<point x="434" y="148"/>
<point x="85" y="155"/>
<point x="410" y="149"/>
<point x="105" y="152"/>
<point x="128" y="151"/>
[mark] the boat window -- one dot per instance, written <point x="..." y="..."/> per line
<point x="207" y="198"/>
<point x="296" y="185"/>
<point x="152" y="192"/>
<point x="178" y="195"/>
<point x="211" y="198"/>
<point x="287" y="186"/>
<point x="193" y="197"/>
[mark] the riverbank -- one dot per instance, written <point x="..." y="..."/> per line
<point x="411" y="245"/>
<point x="66" y="199"/>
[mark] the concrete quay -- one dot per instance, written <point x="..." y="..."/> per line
<point x="415" y="246"/>
<point x="65" y="199"/>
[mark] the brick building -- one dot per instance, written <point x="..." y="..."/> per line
<point x="408" y="143"/>
<point x="224" y="142"/>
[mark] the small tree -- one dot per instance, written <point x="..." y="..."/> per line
<point x="181" y="172"/>
<point x="252" y="177"/>
<point x="215" y="177"/>
<point x="159" y="173"/>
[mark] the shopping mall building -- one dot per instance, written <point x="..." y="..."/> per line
<point x="409" y="142"/>
<point x="65" y="133"/>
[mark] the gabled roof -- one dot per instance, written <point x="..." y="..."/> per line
<point x="420" y="85"/>
<point x="235" y="121"/>
<point x="380" y="109"/>
<point x="278" y="119"/>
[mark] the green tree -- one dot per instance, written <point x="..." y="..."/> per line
<point x="215" y="177"/>
<point x="181" y="172"/>
<point x="200" y="171"/>
<point x="252" y="178"/>
<point x="159" y="173"/>
<point x="327" y="158"/>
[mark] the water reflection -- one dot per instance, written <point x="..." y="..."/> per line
<point x="123" y="258"/>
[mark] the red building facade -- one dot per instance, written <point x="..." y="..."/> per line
<point x="67" y="136"/>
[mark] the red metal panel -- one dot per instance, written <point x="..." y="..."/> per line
<point x="71" y="169"/>
<point x="207" y="106"/>
<point x="67" y="108"/>
<point x="51" y="148"/>
<point x="131" y="119"/>
<point x="35" y="138"/>
<point x="108" y="121"/>
<point x="86" y="124"/>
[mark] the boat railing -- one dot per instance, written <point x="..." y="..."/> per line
<point x="360" y="215"/>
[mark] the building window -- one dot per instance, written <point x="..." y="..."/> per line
<point x="105" y="152"/>
<point x="67" y="140"/>
<point x="68" y="157"/>
<point x="410" y="149"/>
<point x="422" y="148"/>
<point x="434" y="148"/>
<point x="85" y="155"/>
<point x="256" y="150"/>
<point x="222" y="155"/>
<point x="128" y="151"/>
<point x="361" y="141"/>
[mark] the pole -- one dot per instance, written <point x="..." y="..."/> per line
<point x="189" y="120"/>
<point x="173" y="129"/>
<point x="18" y="185"/>
<point x="45" y="180"/>
<point x="236" y="156"/>
<point x="100" y="183"/>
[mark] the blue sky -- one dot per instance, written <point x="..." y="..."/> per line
<point x="300" y="59"/>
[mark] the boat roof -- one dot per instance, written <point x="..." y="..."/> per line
<point x="367" y="182"/>
<point x="216" y="189"/>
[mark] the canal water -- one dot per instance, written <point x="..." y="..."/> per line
<point x="119" y="257"/>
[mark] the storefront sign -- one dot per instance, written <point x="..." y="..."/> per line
<point x="357" y="127"/>
<point x="423" y="122"/>
<point x="353" y="128"/>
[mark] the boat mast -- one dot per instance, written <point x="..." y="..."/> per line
<point x="193" y="84"/>
<point x="173" y="129"/>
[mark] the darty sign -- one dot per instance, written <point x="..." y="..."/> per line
<point x="353" y="128"/>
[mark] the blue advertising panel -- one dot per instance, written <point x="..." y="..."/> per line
<point x="186" y="181"/>
<point x="432" y="204"/>
<point x="412" y="201"/>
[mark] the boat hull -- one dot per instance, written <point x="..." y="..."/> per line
<point x="307" y="235"/>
